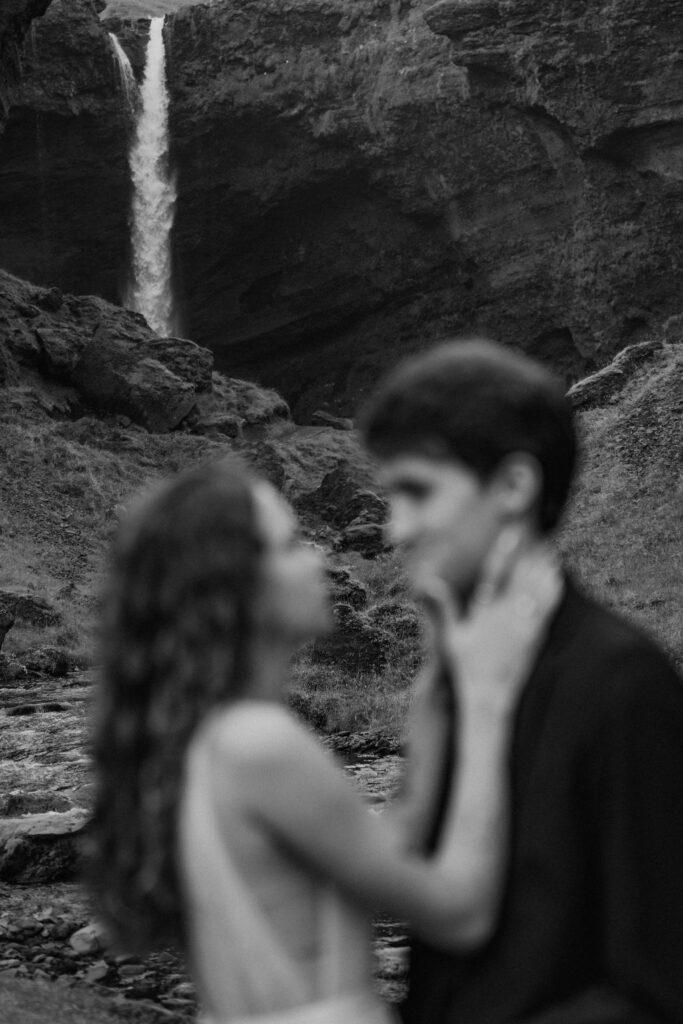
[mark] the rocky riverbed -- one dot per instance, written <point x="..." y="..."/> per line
<point x="46" y="922"/>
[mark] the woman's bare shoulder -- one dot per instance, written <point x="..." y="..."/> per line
<point x="252" y="732"/>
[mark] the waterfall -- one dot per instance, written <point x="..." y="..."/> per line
<point x="126" y="76"/>
<point x="154" y="194"/>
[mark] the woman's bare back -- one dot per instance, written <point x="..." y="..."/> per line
<point x="286" y="938"/>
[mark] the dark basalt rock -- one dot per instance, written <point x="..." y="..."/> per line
<point x="115" y="364"/>
<point x="357" y="179"/>
<point x="154" y="382"/>
<point x="40" y="848"/>
<point x="353" y="189"/>
<point x="15" y="19"/>
<point x="64" y="178"/>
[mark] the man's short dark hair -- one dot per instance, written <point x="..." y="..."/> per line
<point x="475" y="401"/>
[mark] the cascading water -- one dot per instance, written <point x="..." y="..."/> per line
<point x="126" y="75"/>
<point x="154" y="195"/>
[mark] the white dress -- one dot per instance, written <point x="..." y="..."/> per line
<point x="239" y="958"/>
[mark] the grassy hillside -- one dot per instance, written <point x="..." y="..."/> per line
<point x="63" y="482"/>
<point x="623" y="534"/>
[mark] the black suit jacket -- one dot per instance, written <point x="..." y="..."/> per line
<point x="591" y="925"/>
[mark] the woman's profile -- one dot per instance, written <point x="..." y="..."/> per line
<point x="221" y="825"/>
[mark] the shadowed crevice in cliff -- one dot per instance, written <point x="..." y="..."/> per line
<point x="653" y="149"/>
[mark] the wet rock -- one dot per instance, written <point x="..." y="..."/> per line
<point x="89" y="939"/>
<point x="97" y="972"/>
<point x="40" y="848"/>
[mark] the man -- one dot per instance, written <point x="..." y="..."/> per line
<point x="473" y="440"/>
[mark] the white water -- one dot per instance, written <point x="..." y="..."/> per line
<point x="154" y="195"/>
<point x="126" y="76"/>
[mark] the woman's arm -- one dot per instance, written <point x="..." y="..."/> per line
<point x="295" y="791"/>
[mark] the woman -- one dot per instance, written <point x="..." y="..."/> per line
<point x="221" y="825"/>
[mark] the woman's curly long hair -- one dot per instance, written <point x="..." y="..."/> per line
<point x="176" y="633"/>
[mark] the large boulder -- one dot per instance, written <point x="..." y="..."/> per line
<point x="156" y="383"/>
<point x="41" y="848"/>
<point x="394" y="173"/>
<point x="111" y="356"/>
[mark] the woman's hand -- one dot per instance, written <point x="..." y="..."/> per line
<point x="489" y="646"/>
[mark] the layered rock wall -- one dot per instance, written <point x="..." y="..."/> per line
<point x="583" y="108"/>
<point x="351" y="188"/>
<point x="64" y="181"/>
<point x="310" y="234"/>
<point x="15" y="18"/>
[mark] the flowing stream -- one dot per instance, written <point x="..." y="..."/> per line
<point x="154" y="194"/>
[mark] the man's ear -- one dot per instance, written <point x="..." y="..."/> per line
<point x="518" y="480"/>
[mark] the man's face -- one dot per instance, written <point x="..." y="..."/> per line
<point x="442" y="517"/>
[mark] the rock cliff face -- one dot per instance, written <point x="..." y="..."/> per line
<point x="358" y="178"/>
<point x="64" y="182"/>
<point x="310" y="236"/>
<point x="352" y="187"/>
<point x="581" y="110"/>
<point x="15" y="18"/>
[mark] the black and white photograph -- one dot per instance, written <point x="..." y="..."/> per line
<point x="341" y="512"/>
